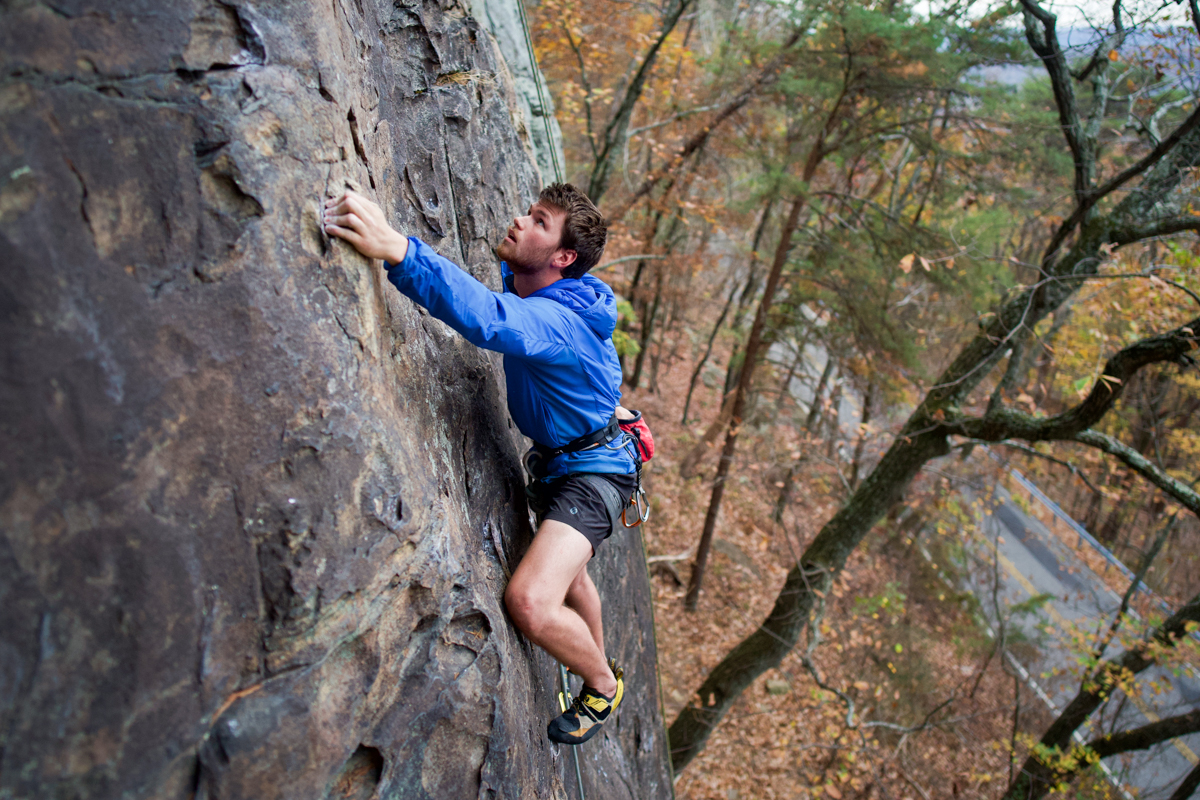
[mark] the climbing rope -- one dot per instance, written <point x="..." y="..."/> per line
<point x="564" y="701"/>
<point x="537" y="81"/>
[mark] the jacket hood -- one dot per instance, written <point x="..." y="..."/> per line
<point x="589" y="297"/>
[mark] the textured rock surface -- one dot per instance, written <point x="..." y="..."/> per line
<point x="257" y="509"/>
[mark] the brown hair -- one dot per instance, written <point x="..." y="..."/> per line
<point x="585" y="229"/>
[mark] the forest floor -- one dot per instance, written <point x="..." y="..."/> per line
<point x="896" y="638"/>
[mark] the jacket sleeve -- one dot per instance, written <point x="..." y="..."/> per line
<point x="532" y="328"/>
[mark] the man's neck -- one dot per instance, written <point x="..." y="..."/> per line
<point x="526" y="283"/>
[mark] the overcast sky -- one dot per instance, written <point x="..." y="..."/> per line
<point x="1081" y="13"/>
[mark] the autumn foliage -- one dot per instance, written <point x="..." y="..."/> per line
<point x="857" y="243"/>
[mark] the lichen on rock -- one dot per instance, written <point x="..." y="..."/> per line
<point x="257" y="508"/>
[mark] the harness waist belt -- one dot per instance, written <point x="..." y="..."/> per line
<point x="603" y="436"/>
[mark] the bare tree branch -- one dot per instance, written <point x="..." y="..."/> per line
<point x="1008" y="423"/>
<point x="587" y="86"/>
<point x="1140" y="738"/>
<point x="1076" y="471"/>
<point x="624" y="259"/>
<point x="1042" y="35"/>
<point x="1003" y="423"/>
<point x="1143" y="466"/>
<point x="1191" y="782"/>
<point x="673" y="118"/>
<point x="1127" y="234"/>
<point x="1135" y="584"/>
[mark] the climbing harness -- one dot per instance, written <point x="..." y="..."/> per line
<point x="611" y="430"/>
<point x="637" y="439"/>
<point x="538" y="456"/>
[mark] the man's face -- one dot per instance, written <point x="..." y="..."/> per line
<point x="532" y="243"/>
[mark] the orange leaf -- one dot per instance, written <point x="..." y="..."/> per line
<point x="925" y="263"/>
<point x="832" y="792"/>
<point x="1112" y="55"/>
<point x="907" y="262"/>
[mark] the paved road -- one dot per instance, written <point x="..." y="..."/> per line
<point x="1033" y="562"/>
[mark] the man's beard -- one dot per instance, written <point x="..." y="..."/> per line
<point x="523" y="264"/>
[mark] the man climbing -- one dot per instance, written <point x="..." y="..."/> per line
<point x="553" y="322"/>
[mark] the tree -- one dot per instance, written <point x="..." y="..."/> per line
<point x="875" y="74"/>
<point x="1045" y="768"/>
<point x="1097" y="222"/>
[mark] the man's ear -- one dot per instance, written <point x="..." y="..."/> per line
<point x="563" y="258"/>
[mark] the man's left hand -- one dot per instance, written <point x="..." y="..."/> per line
<point x="361" y="223"/>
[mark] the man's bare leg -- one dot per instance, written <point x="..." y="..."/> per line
<point x="535" y="597"/>
<point x="584" y="600"/>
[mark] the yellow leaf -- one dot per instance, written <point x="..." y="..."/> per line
<point x="907" y="262"/>
<point x="862" y="686"/>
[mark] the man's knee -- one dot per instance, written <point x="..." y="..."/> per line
<point x="525" y="606"/>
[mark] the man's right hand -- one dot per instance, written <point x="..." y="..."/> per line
<point x="361" y="223"/>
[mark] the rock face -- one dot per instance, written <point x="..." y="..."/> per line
<point x="256" y="508"/>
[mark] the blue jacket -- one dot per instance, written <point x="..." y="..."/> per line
<point x="560" y="365"/>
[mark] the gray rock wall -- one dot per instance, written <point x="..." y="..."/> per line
<point x="256" y="508"/>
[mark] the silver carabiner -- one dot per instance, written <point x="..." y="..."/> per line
<point x="641" y="504"/>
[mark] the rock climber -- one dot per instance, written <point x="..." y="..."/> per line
<point x="553" y="322"/>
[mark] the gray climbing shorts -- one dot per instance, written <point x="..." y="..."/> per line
<point x="591" y="503"/>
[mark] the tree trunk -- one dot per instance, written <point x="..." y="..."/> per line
<point x="663" y="330"/>
<point x="787" y="380"/>
<point x="750" y="287"/>
<point x="785" y="491"/>
<point x="814" y="409"/>
<point x="814" y="413"/>
<point x="615" y="131"/>
<point x="704" y="358"/>
<point x="647" y="330"/>
<point x="690" y="463"/>
<point x="1189" y="785"/>
<point x="833" y="421"/>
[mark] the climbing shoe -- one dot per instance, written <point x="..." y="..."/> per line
<point x="587" y="714"/>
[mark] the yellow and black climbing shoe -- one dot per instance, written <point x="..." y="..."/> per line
<point x="587" y="714"/>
